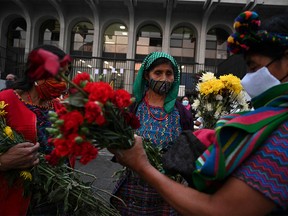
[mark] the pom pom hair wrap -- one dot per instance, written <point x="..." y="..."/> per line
<point x="248" y="33"/>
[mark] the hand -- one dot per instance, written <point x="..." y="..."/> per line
<point x="20" y="156"/>
<point x="135" y="158"/>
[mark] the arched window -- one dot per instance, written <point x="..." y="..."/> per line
<point x="15" y="47"/>
<point x="49" y="32"/>
<point x="17" y="33"/>
<point x="149" y="39"/>
<point x="82" y="39"/>
<point x="182" y="44"/>
<point x="216" y="46"/>
<point x="115" y="41"/>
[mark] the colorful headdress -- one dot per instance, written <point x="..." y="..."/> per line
<point x="248" y="33"/>
<point x="140" y="83"/>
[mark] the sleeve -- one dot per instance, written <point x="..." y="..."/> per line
<point x="267" y="169"/>
<point x="186" y="118"/>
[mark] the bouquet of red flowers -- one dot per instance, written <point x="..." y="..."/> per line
<point x="94" y="116"/>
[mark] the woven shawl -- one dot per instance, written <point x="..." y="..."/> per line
<point x="239" y="135"/>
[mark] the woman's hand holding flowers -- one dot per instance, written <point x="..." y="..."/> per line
<point x="20" y="156"/>
<point x="135" y="158"/>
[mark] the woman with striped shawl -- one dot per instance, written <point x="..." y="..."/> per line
<point x="247" y="153"/>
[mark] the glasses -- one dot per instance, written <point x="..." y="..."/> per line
<point x="271" y="62"/>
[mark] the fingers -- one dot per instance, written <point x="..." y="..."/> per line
<point x="25" y="145"/>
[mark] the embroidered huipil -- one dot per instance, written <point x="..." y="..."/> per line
<point x="140" y="198"/>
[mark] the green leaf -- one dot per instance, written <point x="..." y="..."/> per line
<point x="76" y="100"/>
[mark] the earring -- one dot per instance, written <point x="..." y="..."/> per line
<point x="35" y="83"/>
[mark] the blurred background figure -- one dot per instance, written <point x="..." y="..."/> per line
<point x="186" y="103"/>
<point x="10" y="79"/>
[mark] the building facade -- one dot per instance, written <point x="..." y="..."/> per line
<point x="110" y="38"/>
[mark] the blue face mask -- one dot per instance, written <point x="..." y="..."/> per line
<point x="185" y="102"/>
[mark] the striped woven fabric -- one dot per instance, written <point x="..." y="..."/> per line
<point x="267" y="169"/>
<point x="239" y="135"/>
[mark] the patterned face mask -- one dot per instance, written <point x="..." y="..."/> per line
<point x="160" y="87"/>
<point x="50" y="88"/>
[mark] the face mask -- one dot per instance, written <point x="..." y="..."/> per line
<point x="160" y="87"/>
<point x="258" y="82"/>
<point x="185" y="102"/>
<point x="50" y="88"/>
<point x="9" y="83"/>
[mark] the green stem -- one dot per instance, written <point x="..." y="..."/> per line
<point x="73" y="84"/>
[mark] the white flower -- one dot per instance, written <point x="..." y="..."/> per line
<point x="219" y="97"/>
<point x="209" y="107"/>
<point x="195" y="104"/>
<point x="207" y="76"/>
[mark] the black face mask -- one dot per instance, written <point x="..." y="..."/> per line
<point x="9" y="83"/>
<point x="160" y="87"/>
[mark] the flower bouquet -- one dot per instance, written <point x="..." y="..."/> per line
<point x="96" y="116"/>
<point x="58" y="183"/>
<point x="218" y="97"/>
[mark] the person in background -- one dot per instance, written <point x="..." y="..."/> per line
<point x="29" y="102"/>
<point x="9" y="80"/>
<point x="185" y="102"/>
<point x="257" y="181"/>
<point x="162" y="118"/>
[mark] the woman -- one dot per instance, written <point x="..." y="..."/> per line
<point x="185" y="103"/>
<point x="257" y="181"/>
<point x="29" y="102"/>
<point x="162" y="118"/>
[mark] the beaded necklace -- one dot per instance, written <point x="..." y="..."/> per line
<point x="30" y="101"/>
<point x="151" y="114"/>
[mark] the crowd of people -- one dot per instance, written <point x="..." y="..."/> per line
<point x="257" y="181"/>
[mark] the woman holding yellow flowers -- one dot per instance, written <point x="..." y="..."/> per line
<point x="25" y="109"/>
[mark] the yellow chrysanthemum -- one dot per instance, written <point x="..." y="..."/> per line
<point x="232" y="83"/>
<point x="26" y="175"/>
<point x="8" y="131"/>
<point x="2" y="106"/>
<point x="211" y="87"/>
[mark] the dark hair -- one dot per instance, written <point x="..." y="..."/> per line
<point x="158" y="62"/>
<point x="277" y="24"/>
<point x="184" y="97"/>
<point x="26" y="83"/>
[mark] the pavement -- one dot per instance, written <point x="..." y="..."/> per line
<point x="103" y="169"/>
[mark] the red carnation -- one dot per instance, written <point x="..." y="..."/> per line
<point x="93" y="113"/>
<point x="72" y="121"/>
<point x="89" y="152"/>
<point x="60" y="109"/>
<point x="99" y="91"/>
<point x="80" y="78"/>
<point x="61" y="147"/>
<point x="122" y="98"/>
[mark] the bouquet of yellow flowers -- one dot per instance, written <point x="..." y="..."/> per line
<point x="218" y="97"/>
